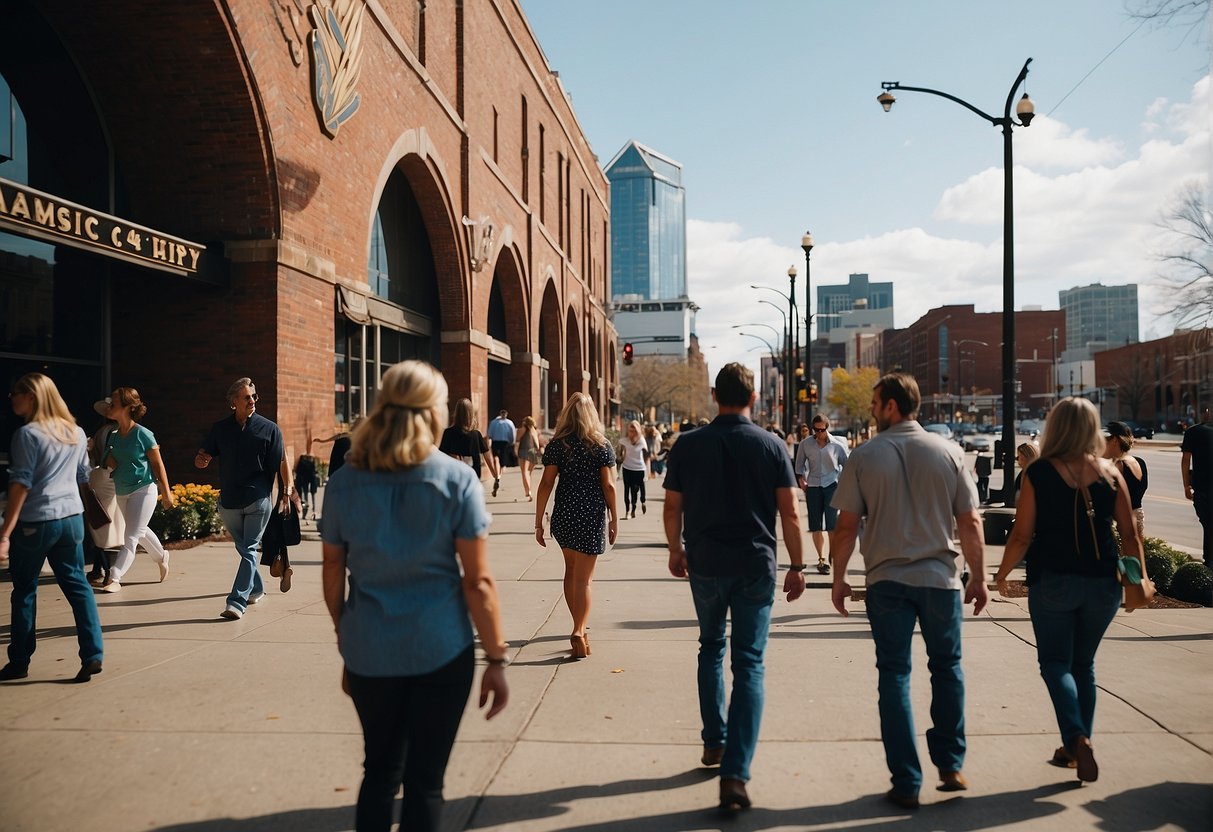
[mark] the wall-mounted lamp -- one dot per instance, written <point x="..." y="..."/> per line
<point x="480" y="241"/>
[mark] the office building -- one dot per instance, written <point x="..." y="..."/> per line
<point x="1099" y="317"/>
<point x="857" y="293"/>
<point x="648" y="225"/>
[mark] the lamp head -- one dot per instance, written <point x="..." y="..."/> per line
<point x="1025" y="110"/>
<point x="806" y="242"/>
<point x="886" y="100"/>
<point x="792" y="272"/>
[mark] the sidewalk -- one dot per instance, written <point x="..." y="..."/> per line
<point x="202" y="724"/>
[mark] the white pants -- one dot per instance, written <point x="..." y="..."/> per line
<point x="137" y="508"/>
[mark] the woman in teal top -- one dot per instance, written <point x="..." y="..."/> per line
<point x="133" y="457"/>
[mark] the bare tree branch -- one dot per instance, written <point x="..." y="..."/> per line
<point x="1188" y="258"/>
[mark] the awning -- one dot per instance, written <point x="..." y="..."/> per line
<point x="370" y="310"/>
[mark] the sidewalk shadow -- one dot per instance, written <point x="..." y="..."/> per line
<point x="1168" y="804"/>
<point x="960" y="814"/>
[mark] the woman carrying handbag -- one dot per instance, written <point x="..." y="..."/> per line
<point x="1063" y="524"/>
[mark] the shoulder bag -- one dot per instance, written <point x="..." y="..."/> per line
<point x="1139" y="589"/>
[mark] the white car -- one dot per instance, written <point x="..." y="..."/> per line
<point x="979" y="443"/>
<point x="942" y="429"/>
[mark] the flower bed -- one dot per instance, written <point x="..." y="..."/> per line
<point x="195" y="515"/>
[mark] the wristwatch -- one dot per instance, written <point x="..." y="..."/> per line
<point x="504" y="661"/>
<point x="797" y="567"/>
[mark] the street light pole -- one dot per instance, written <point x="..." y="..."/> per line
<point x="806" y="243"/>
<point x="788" y="355"/>
<point x="1025" y="110"/>
<point x="793" y="345"/>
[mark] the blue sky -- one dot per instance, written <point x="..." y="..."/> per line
<point x="771" y="108"/>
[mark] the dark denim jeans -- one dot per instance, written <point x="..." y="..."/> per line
<point x="893" y="609"/>
<point x="409" y="725"/>
<point x="1070" y="614"/>
<point x="61" y="543"/>
<point x="747" y="601"/>
<point x="246" y="526"/>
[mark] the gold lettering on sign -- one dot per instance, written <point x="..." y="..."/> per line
<point x="61" y="222"/>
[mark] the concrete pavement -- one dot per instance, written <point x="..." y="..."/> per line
<point x="201" y="724"/>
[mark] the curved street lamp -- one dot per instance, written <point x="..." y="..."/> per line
<point x="1025" y="110"/>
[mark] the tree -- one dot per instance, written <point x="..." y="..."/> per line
<point x="853" y="393"/>
<point x="1189" y="13"/>
<point x="1188" y="258"/>
<point x="653" y="382"/>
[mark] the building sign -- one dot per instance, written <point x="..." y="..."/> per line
<point x="43" y="216"/>
<point x="336" y="47"/>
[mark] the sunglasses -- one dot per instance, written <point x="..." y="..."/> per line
<point x="820" y="430"/>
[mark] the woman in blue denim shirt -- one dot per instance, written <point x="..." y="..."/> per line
<point x="45" y="521"/>
<point x="409" y="524"/>
<point x="1063" y="523"/>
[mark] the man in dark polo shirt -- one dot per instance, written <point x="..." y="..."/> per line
<point x="1196" y="470"/>
<point x="251" y="454"/>
<point x="724" y="483"/>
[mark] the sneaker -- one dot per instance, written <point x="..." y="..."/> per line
<point x="87" y="671"/>
<point x="644" y="508"/>
<point x="163" y="567"/>
<point x="823" y="567"/>
<point x="285" y="584"/>
<point x="496" y="485"/>
<point x="232" y="613"/>
<point x="255" y="598"/>
<point x="111" y="585"/>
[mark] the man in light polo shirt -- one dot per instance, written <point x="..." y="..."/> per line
<point x="819" y="459"/>
<point x="502" y="434"/>
<point x="907" y="486"/>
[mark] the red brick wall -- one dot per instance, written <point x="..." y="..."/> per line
<point x="216" y="138"/>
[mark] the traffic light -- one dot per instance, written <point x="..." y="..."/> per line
<point x="627" y="353"/>
<point x="812" y="394"/>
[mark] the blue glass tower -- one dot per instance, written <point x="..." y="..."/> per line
<point x="648" y="225"/>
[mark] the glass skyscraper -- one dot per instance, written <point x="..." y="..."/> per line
<point x="648" y="225"/>
<point x="1100" y="315"/>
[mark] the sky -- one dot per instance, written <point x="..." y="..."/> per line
<point x="770" y="106"/>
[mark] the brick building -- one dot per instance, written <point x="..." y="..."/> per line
<point x="301" y="192"/>
<point x="955" y="354"/>
<point x="1158" y="382"/>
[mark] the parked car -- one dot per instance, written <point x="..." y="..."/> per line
<point x="940" y="428"/>
<point x="989" y="429"/>
<point x="1030" y="427"/>
<point x="1140" y="431"/>
<point x="978" y="443"/>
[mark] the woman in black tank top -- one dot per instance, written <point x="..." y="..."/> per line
<point x="1118" y="441"/>
<point x="1063" y="525"/>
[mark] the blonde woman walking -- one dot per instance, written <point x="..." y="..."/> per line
<point x="44" y="521"/>
<point x="1063" y="524"/>
<point x="581" y="458"/>
<point x="530" y="446"/>
<point x="133" y="456"/>
<point x="408" y="526"/>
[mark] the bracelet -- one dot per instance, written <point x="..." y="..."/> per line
<point x="796" y="567"/>
<point x="504" y="661"/>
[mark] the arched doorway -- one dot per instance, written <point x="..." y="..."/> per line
<point x="509" y="376"/>
<point x="551" y="374"/>
<point x="398" y="320"/>
<point x="574" y="366"/>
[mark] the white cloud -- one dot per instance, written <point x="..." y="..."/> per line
<point x="1094" y="221"/>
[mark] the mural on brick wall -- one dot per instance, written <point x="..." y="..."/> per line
<point x="336" y="47"/>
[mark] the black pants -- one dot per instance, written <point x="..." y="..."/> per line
<point x="408" y="727"/>
<point x="1202" y="501"/>
<point x="633" y="483"/>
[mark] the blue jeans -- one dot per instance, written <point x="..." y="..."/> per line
<point x="60" y="542"/>
<point x="246" y="525"/>
<point x="747" y="600"/>
<point x="1070" y="614"/>
<point x="893" y="609"/>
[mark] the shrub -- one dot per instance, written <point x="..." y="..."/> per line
<point x="1193" y="583"/>
<point x="1161" y="570"/>
<point x="196" y="514"/>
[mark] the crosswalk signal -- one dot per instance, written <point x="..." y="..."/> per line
<point x="627" y="353"/>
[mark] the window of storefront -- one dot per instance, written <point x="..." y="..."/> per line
<point x="399" y="320"/>
<point x="53" y="298"/>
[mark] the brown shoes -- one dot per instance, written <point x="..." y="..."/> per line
<point x="1084" y="759"/>
<point x="952" y="781"/>
<point x="1063" y="758"/>
<point x="712" y="756"/>
<point x="733" y="795"/>
<point x="902" y="801"/>
<point x="580" y="650"/>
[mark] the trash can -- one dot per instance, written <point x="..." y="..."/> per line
<point x="997" y="523"/>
